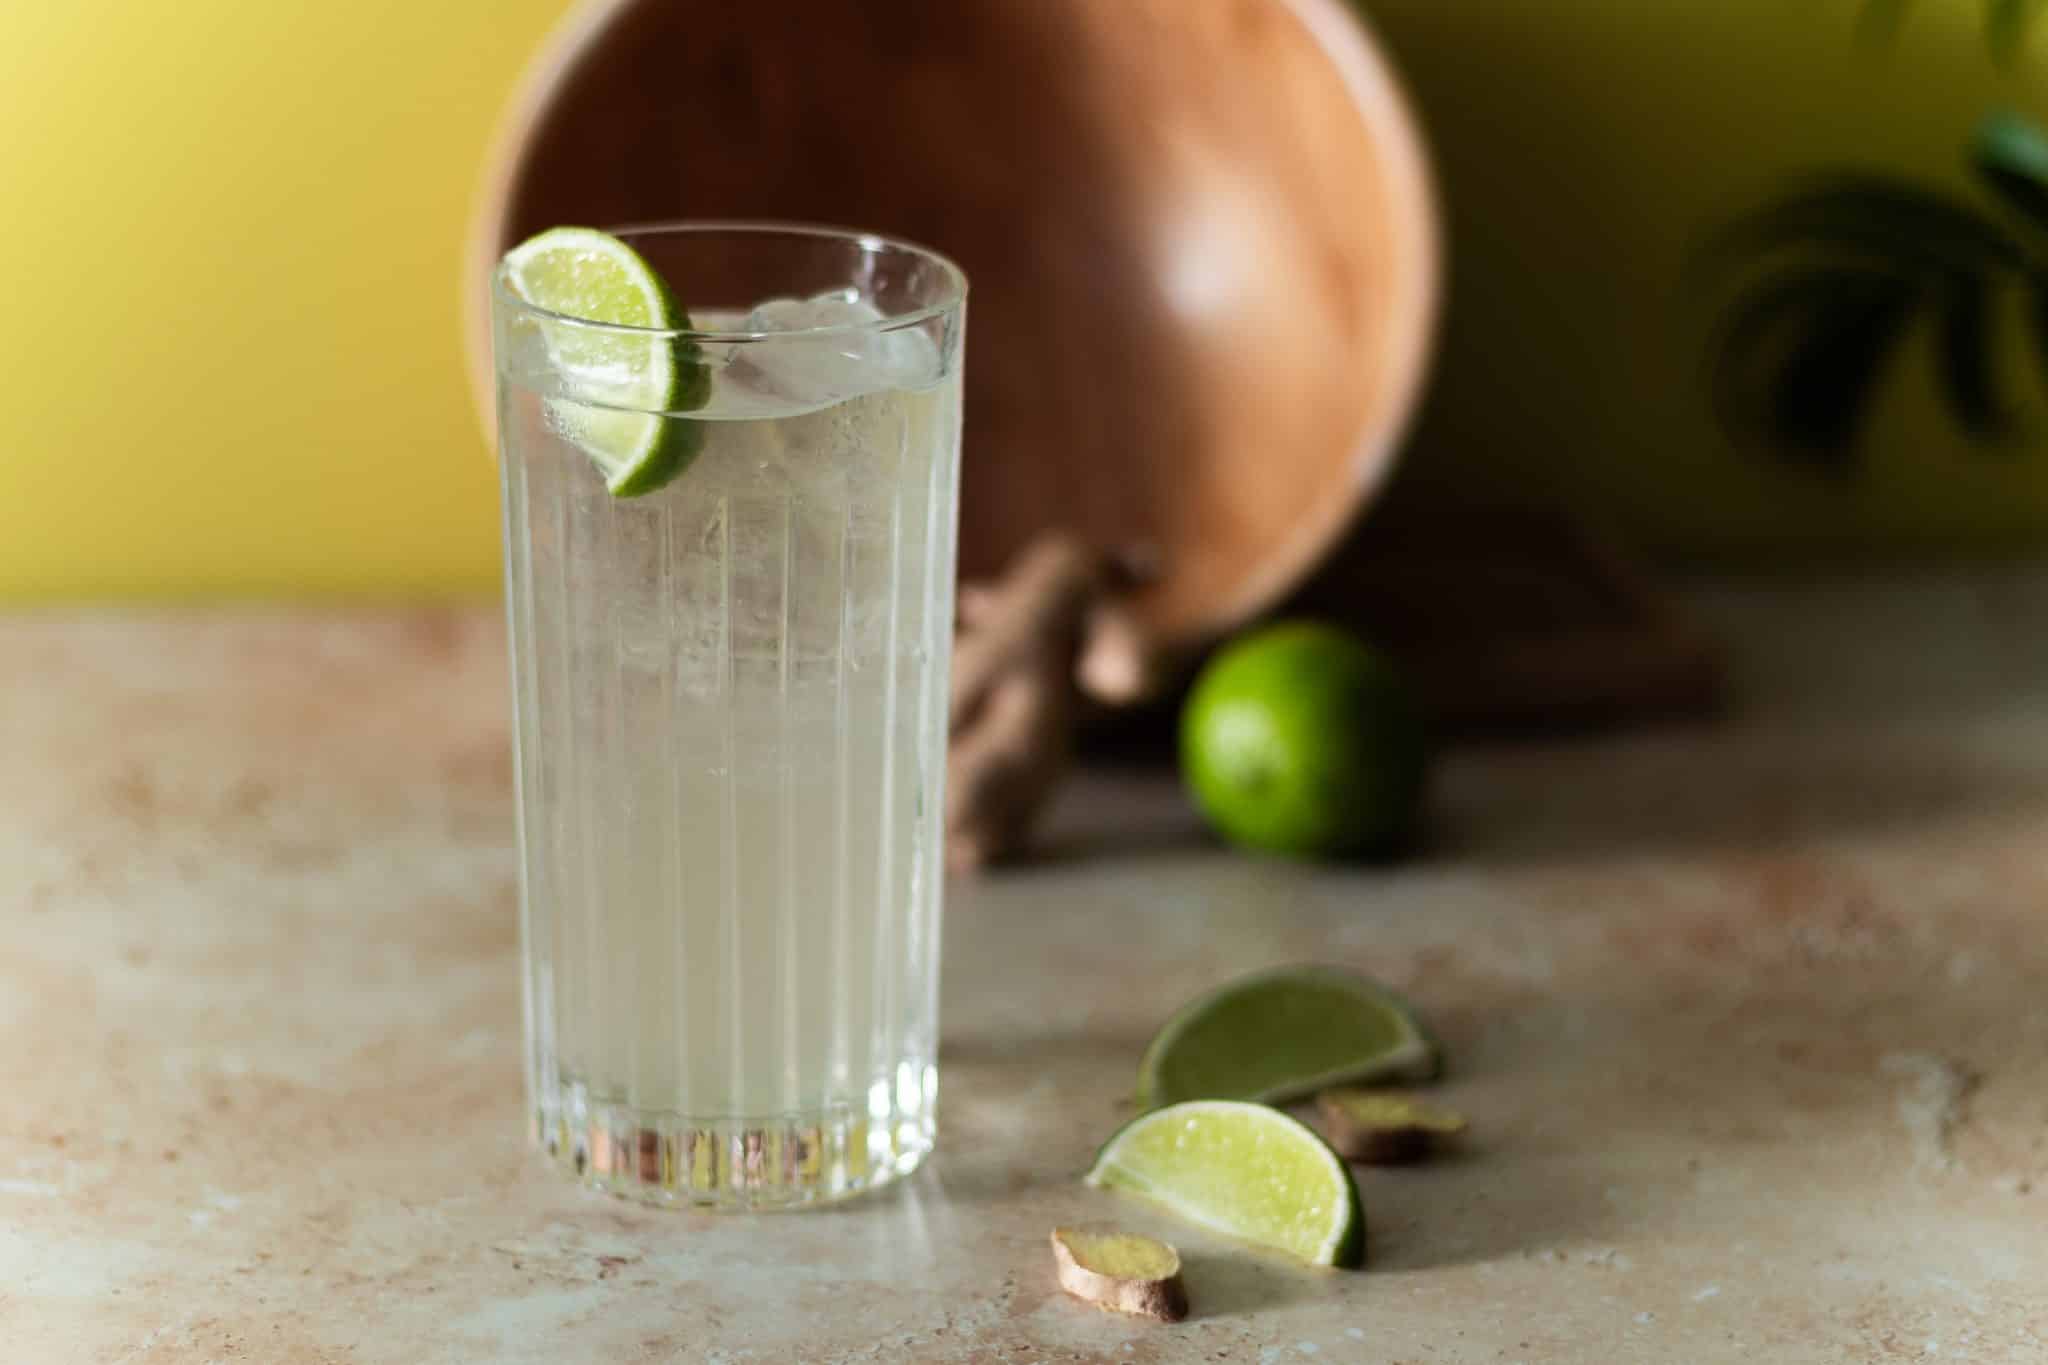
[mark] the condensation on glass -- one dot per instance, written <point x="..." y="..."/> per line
<point x="731" y="728"/>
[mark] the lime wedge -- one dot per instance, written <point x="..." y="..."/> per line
<point x="1280" y="1035"/>
<point x="1242" y="1169"/>
<point x="622" y="381"/>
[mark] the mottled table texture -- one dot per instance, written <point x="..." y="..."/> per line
<point x="1751" y="1019"/>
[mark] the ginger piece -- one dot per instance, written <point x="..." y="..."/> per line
<point x="1053" y="636"/>
<point x="1121" y="1271"/>
<point x="1014" y="702"/>
<point x="1383" y="1129"/>
<point x="1123" y="661"/>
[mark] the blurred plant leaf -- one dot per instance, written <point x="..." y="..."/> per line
<point x="1837" y="272"/>
<point x="1800" y="354"/>
<point x="2012" y="157"/>
<point x="1968" y="376"/>
<point x="1871" y="215"/>
<point x="2039" y="286"/>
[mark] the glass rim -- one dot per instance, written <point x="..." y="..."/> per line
<point x="953" y="296"/>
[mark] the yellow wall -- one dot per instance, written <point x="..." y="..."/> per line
<point x="230" y="339"/>
<point x="231" y="230"/>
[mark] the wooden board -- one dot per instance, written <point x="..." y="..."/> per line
<point x="1510" y="613"/>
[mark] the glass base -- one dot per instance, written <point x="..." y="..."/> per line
<point x="785" y="1161"/>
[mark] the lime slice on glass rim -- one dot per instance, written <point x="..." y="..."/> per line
<point x="1282" y="1035"/>
<point x="1241" y="1169"/>
<point x="622" y="380"/>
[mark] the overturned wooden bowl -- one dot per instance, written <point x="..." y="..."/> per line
<point x="1200" y="237"/>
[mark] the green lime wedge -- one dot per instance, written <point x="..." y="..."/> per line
<point x="623" y="382"/>
<point x="1242" y="1169"/>
<point x="1284" y="1034"/>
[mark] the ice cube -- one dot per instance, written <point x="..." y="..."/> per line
<point x="836" y="309"/>
<point x="816" y="370"/>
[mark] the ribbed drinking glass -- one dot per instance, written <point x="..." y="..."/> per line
<point x="731" y="724"/>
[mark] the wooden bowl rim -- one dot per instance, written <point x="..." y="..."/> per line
<point x="1414" y="223"/>
<point x="1412" y="220"/>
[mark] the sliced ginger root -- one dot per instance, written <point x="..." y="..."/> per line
<point x="1121" y="1271"/>
<point x="1380" y="1128"/>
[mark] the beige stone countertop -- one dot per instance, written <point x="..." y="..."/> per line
<point x="1751" y="1020"/>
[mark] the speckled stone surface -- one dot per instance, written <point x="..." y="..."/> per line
<point x="1751" y="1020"/>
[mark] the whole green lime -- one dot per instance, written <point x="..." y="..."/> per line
<point x="1299" y="739"/>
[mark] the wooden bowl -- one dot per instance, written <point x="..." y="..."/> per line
<point x="1200" y="237"/>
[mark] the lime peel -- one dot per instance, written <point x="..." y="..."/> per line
<point x="623" y="382"/>
<point x="1244" y="1170"/>
<point x="1300" y="740"/>
<point x="1284" y="1034"/>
